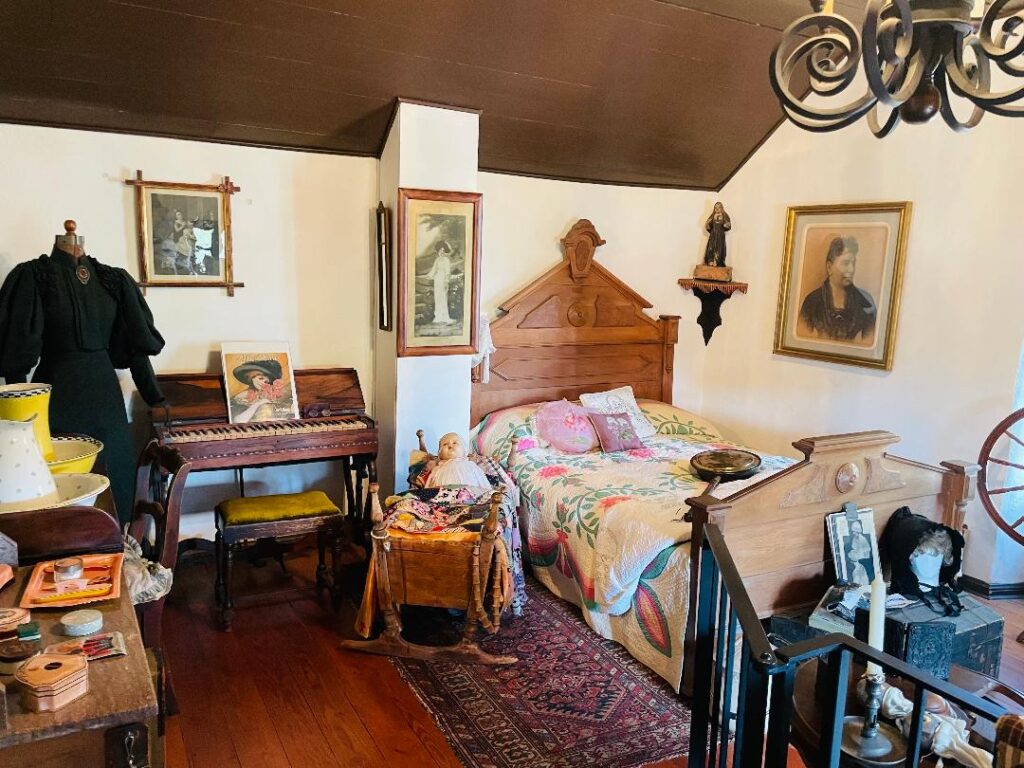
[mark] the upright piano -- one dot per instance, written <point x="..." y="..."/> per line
<point x="333" y="425"/>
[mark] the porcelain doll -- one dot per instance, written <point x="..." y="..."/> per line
<point x="452" y="467"/>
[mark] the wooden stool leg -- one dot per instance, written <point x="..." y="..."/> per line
<point x="227" y="607"/>
<point x="338" y="541"/>
<point x="321" y="560"/>
<point x="218" y="549"/>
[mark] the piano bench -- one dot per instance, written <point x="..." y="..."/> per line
<point x="269" y="517"/>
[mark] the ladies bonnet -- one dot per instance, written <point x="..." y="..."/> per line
<point x="924" y="560"/>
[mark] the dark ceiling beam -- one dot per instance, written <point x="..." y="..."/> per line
<point x="648" y="92"/>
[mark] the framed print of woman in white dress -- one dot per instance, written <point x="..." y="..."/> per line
<point x="438" y="272"/>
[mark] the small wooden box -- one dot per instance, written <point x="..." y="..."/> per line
<point x="51" y="681"/>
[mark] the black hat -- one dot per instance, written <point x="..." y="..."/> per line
<point x="269" y="368"/>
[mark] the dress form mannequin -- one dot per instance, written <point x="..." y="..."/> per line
<point x="71" y="321"/>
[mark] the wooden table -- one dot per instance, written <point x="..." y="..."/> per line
<point x="91" y="731"/>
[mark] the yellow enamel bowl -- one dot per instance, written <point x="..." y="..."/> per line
<point x="74" y="453"/>
<point x="79" y="489"/>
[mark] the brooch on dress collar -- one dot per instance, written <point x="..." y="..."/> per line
<point x="83" y="274"/>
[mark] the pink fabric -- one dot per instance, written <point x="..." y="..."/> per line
<point x="616" y="432"/>
<point x="566" y="426"/>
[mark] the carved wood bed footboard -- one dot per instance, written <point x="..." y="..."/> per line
<point x="775" y="529"/>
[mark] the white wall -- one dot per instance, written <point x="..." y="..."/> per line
<point x="302" y="234"/>
<point x="428" y="148"/>
<point x="960" y="333"/>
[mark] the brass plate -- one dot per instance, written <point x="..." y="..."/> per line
<point x="727" y="464"/>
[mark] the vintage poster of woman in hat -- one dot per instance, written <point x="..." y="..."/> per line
<point x="259" y="382"/>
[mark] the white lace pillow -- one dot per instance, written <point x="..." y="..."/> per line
<point x="620" y="400"/>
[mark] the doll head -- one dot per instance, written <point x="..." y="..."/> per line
<point x="450" y="447"/>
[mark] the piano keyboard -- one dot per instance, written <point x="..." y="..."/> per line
<point x="202" y="433"/>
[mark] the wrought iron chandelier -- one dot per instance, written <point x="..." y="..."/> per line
<point x="914" y="55"/>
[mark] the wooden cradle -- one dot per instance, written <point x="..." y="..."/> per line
<point x="434" y="570"/>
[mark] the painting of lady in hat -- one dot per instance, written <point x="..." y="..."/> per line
<point x="259" y="383"/>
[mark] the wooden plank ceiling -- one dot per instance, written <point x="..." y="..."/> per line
<point x="654" y="92"/>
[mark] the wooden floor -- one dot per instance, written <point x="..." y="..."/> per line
<point x="277" y="692"/>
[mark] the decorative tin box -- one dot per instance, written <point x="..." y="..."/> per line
<point x="916" y="634"/>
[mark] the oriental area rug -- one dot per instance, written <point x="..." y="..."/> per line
<point x="574" y="700"/>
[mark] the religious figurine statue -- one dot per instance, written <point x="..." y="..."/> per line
<point x="717" y="225"/>
<point x="453" y="468"/>
<point x="712" y="280"/>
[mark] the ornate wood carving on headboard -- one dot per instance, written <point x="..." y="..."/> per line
<point x="577" y="328"/>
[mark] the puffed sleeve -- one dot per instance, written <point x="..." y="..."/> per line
<point x="21" y="324"/>
<point x="135" y="338"/>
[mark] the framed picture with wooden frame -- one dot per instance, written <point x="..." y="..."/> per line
<point x="842" y="277"/>
<point x="438" y="294"/>
<point x="184" y="233"/>
<point x="383" y="269"/>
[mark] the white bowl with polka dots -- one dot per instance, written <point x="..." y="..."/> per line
<point x="79" y="490"/>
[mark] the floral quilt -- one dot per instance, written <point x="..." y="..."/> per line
<point x="606" y="530"/>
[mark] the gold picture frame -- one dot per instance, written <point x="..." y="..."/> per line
<point x="841" y="283"/>
<point x="184" y="234"/>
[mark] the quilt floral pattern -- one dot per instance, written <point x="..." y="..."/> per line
<point x="606" y="530"/>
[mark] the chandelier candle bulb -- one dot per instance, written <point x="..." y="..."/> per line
<point x="876" y="621"/>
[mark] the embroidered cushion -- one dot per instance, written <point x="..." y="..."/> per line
<point x="620" y="400"/>
<point x="282" y="506"/>
<point x="615" y="431"/>
<point x="566" y="426"/>
<point x="493" y="436"/>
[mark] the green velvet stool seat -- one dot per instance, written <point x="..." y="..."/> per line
<point x="248" y="519"/>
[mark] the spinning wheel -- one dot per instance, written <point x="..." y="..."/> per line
<point x="1001" y="478"/>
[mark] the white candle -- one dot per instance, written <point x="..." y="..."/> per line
<point x="876" y="621"/>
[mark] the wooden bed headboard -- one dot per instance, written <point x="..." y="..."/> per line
<point x="577" y="328"/>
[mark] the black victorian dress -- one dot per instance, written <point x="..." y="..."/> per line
<point x="80" y="321"/>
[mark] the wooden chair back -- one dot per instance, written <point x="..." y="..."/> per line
<point x="48" y="534"/>
<point x="159" y="485"/>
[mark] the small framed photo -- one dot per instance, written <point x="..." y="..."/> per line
<point x="851" y="535"/>
<point x="842" y="276"/>
<point x="259" y="382"/>
<point x="184" y="233"/>
<point x="438" y="272"/>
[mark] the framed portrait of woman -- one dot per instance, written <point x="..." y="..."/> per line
<point x="842" y="277"/>
<point x="438" y="294"/>
<point x="259" y="382"/>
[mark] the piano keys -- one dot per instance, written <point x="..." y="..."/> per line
<point x="334" y="426"/>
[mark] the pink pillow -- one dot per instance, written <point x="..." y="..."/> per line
<point x="566" y="426"/>
<point x="615" y="431"/>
